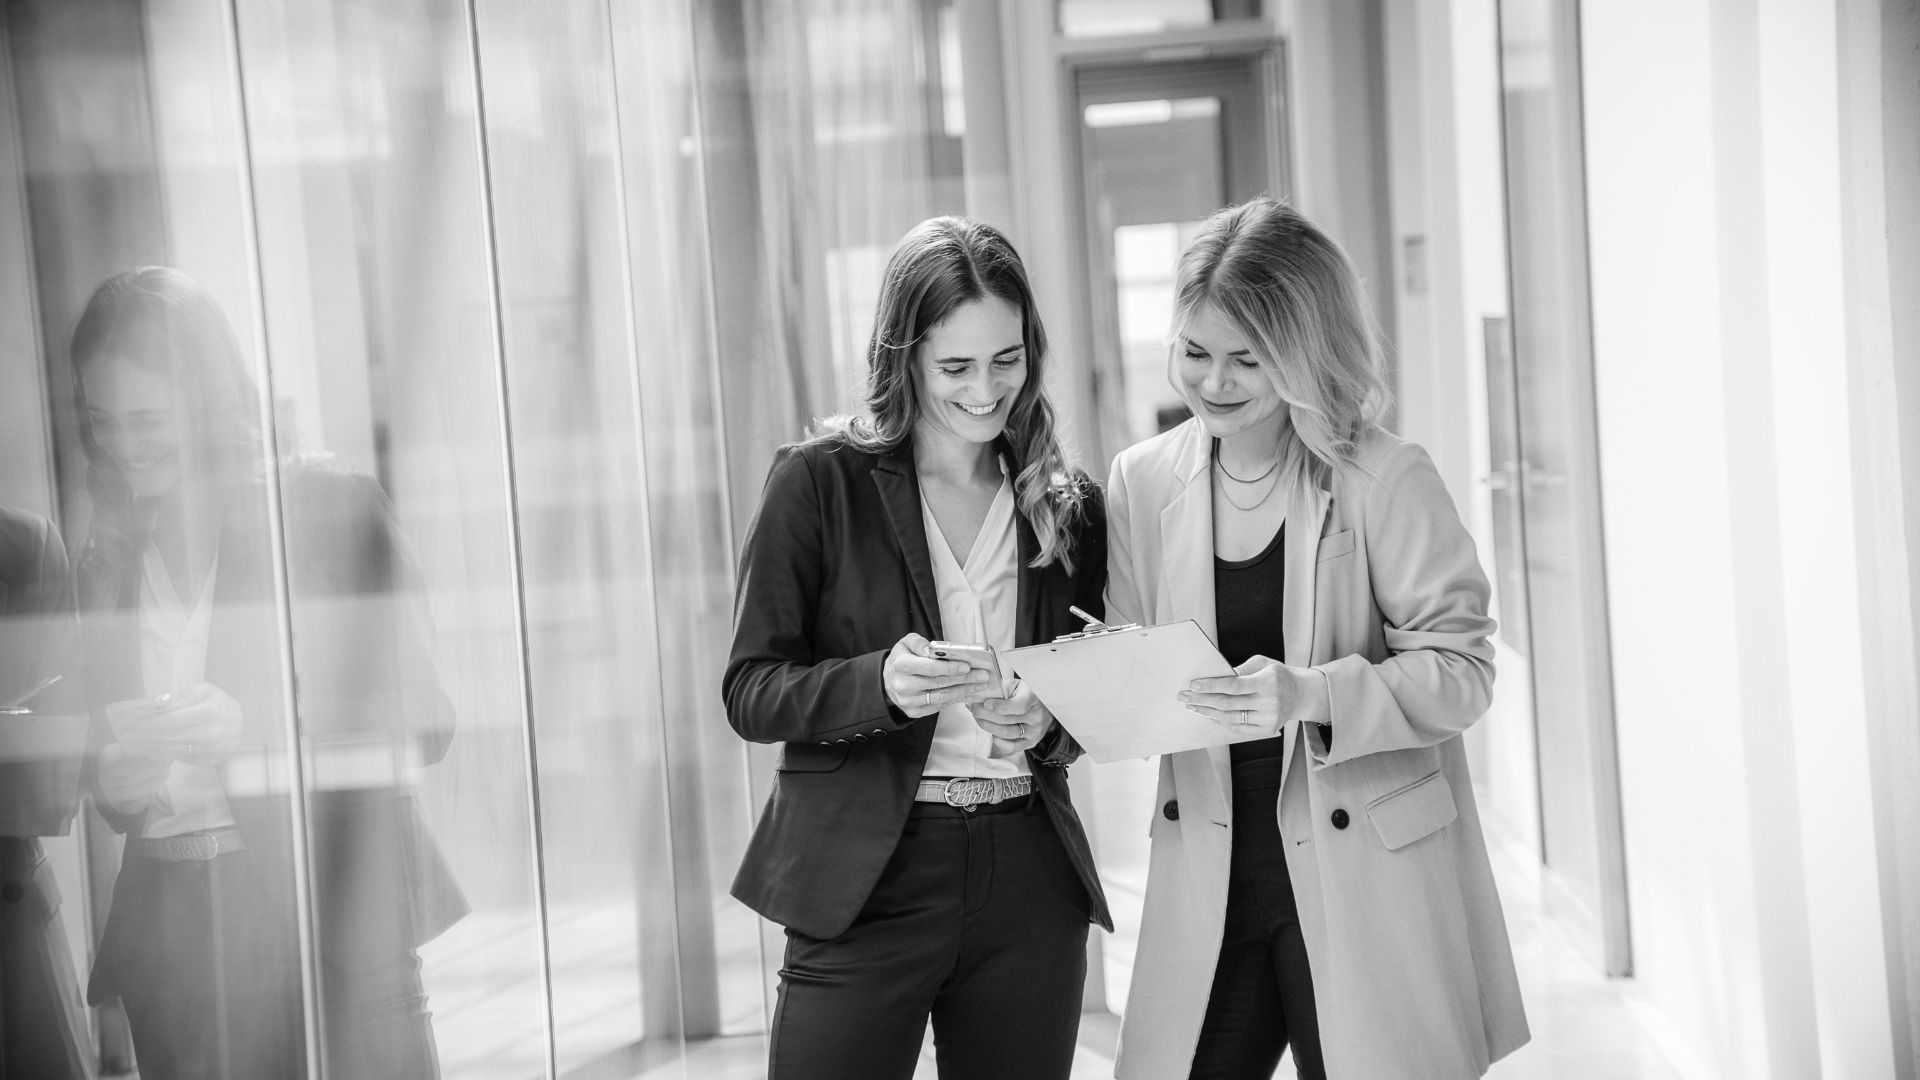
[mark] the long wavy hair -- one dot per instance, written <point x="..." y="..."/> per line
<point x="1293" y="294"/>
<point x="941" y="264"/>
<point x="160" y="319"/>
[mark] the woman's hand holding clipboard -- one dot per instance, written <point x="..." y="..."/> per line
<point x="1117" y="688"/>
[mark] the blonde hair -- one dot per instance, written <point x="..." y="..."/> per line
<point x="1296" y="298"/>
<point x="941" y="264"/>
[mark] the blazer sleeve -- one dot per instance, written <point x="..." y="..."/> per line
<point x="363" y="637"/>
<point x="775" y="688"/>
<point x="1427" y="582"/>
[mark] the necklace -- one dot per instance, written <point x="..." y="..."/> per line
<point x="1222" y="466"/>
<point x="1257" y="503"/>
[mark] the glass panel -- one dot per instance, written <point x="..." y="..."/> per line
<point x="374" y="264"/>
<point x="167" y="498"/>
<point x="1557" y="475"/>
<point x="426" y="597"/>
<point x="841" y="136"/>
<point x="45" y="1029"/>
<point x="1097" y="18"/>
<point x="553" y="152"/>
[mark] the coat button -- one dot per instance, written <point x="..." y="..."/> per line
<point x="826" y="743"/>
<point x="879" y="733"/>
<point x="857" y="737"/>
<point x="1172" y="809"/>
<point x="1340" y="819"/>
<point x="841" y="742"/>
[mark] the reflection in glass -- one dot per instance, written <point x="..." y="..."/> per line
<point x="184" y="665"/>
<point x="43" y="733"/>
<point x="546" y="347"/>
<point x="382" y="325"/>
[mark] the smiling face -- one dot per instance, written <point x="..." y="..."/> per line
<point x="140" y="424"/>
<point x="968" y="370"/>
<point x="1220" y="378"/>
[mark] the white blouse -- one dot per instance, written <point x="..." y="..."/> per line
<point x="979" y="602"/>
<point x="173" y="656"/>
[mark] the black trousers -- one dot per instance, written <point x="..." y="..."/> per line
<point x="208" y="969"/>
<point x="1262" y="997"/>
<point x="979" y="922"/>
<point x="43" y="1026"/>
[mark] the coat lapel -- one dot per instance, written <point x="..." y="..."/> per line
<point x="900" y="496"/>
<point x="1186" y="588"/>
<point x="1307" y="505"/>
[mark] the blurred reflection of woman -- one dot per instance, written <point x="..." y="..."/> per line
<point x="186" y="678"/>
<point x="1347" y="908"/>
<point x="43" y="1025"/>
<point x="920" y="846"/>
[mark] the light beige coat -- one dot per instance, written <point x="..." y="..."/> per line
<point x="1384" y="617"/>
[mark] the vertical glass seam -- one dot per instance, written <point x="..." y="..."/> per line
<point x="645" y="481"/>
<point x="510" y="482"/>
<point x="717" y="389"/>
<point x="10" y="130"/>
<point x="304" y="922"/>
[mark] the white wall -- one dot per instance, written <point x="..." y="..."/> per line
<point x="1723" y="362"/>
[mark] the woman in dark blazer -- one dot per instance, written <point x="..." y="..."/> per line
<point x="920" y="846"/>
<point x="181" y="620"/>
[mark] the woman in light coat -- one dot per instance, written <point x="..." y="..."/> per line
<point x="1323" y="882"/>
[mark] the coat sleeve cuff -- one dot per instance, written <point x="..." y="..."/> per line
<point x="878" y="718"/>
<point x="1057" y="748"/>
<point x="1313" y="707"/>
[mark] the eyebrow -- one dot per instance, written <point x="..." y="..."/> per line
<point x="968" y="359"/>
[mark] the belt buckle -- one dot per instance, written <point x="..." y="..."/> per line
<point x="196" y="847"/>
<point x="961" y="792"/>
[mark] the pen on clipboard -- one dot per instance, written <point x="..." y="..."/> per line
<point x="1092" y="623"/>
<point x="38" y="688"/>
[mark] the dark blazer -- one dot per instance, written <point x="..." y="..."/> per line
<point x="363" y="671"/>
<point x="39" y="637"/>
<point x="835" y="570"/>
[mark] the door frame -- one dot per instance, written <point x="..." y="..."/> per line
<point x="1610" y="927"/>
<point x="1174" y="60"/>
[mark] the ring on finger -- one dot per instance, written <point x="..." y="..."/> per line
<point x="1246" y="717"/>
<point x="929" y="702"/>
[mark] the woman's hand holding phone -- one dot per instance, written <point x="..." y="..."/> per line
<point x="200" y="725"/>
<point x="1017" y="722"/>
<point x="921" y="684"/>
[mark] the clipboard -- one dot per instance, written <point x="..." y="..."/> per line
<point x="1115" y="688"/>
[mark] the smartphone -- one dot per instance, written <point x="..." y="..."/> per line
<point x="980" y="657"/>
<point x="126" y="717"/>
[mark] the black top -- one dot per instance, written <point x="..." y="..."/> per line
<point x="1246" y="601"/>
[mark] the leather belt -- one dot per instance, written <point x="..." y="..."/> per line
<point x="969" y="792"/>
<point x="187" y="847"/>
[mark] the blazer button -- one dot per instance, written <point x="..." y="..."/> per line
<point x="826" y="743"/>
<point x="1340" y="819"/>
<point x="857" y="737"/>
<point x="879" y="733"/>
<point x="1172" y="809"/>
<point x="841" y="742"/>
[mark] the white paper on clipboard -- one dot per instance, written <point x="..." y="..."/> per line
<point x="1117" y="692"/>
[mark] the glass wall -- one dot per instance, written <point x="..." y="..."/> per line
<point x="385" y="385"/>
